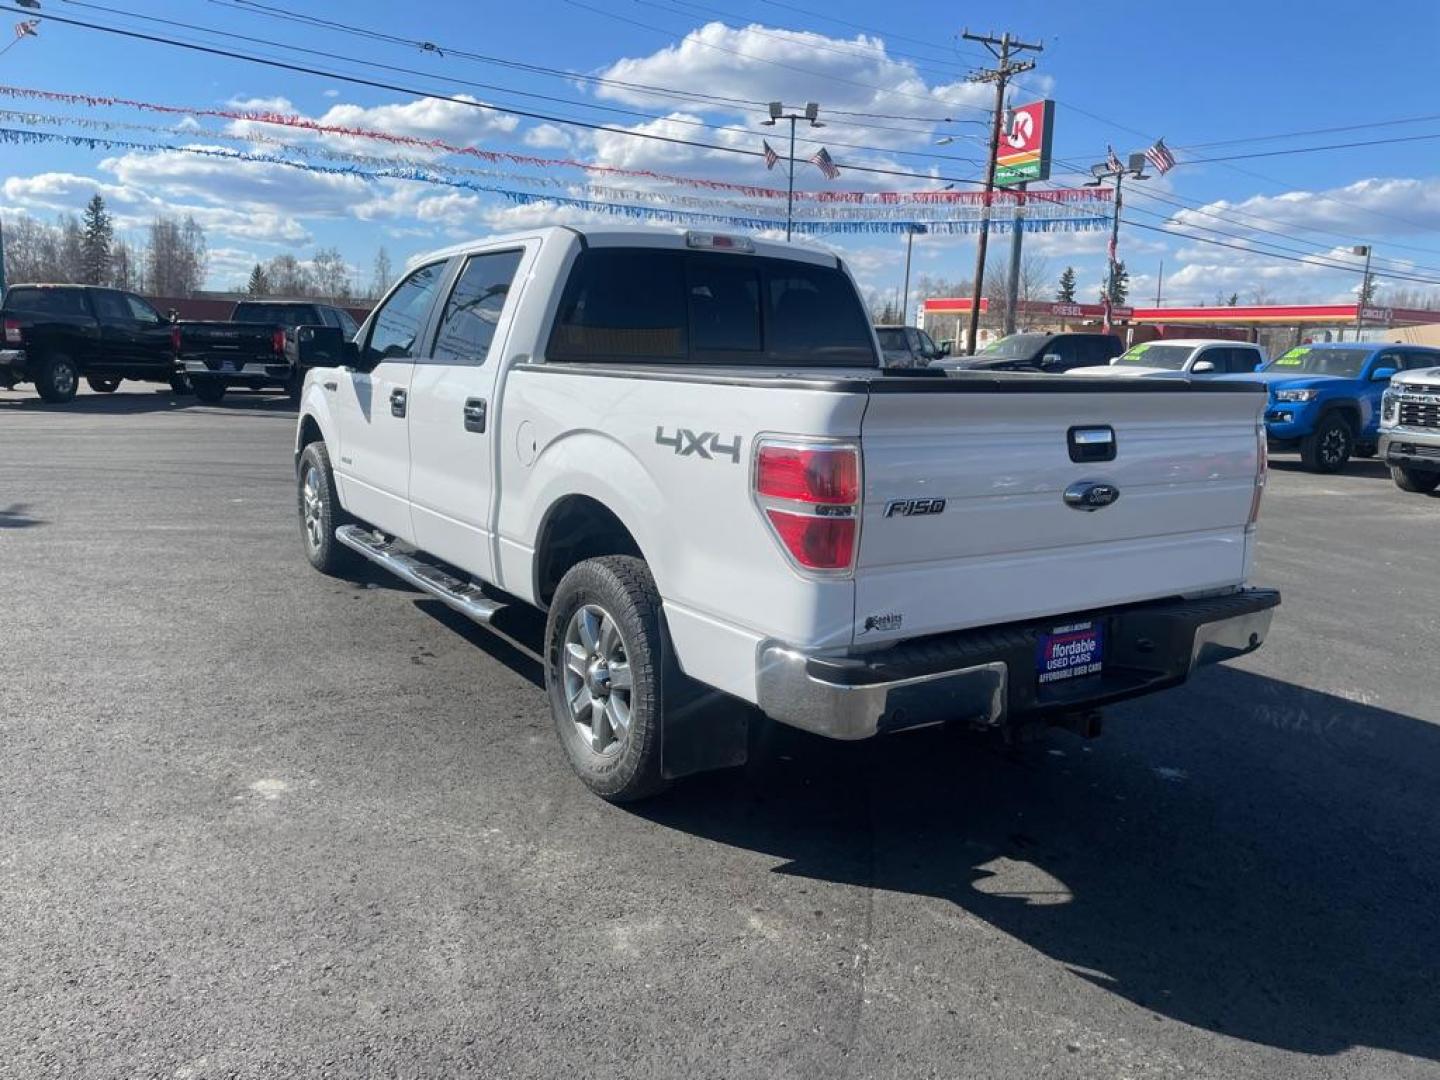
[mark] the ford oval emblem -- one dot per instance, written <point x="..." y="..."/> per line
<point x="1090" y="495"/>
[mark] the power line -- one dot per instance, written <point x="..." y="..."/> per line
<point x="510" y="110"/>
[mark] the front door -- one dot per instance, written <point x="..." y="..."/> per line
<point x="134" y="340"/>
<point x="372" y="404"/>
<point x="453" y="423"/>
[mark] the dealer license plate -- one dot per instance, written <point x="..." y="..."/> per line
<point x="1070" y="652"/>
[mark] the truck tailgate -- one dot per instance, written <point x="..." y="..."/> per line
<point x="1006" y="545"/>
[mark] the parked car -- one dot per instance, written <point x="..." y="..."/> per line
<point x="251" y="349"/>
<point x="1199" y="357"/>
<point x="684" y="449"/>
<point x="1049" y="353"/>
<point x="907" y="347"/>
<point x="1410" y="429"/>
<point x="1325" y="399"/>
<point x="56" y="335"/>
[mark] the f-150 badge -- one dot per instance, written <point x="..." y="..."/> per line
<point x="707" y="444"/>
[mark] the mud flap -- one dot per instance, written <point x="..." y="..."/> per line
<point x="702" y="729"/>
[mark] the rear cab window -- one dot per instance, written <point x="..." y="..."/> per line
<point x="287" y="315"/>
<point x="67" y="302"/>
<point x="666" y="306"/>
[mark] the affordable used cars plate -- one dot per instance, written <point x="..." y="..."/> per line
<point x="1069" y="652"/>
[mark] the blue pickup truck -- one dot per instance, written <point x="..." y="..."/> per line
<point x="1325" y="399"/>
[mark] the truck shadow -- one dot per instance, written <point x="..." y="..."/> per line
<point x="1247" y="857"/>
<point x="120" y="403"/>
<point x="1369" y="467"/>
<point x="16" y="516"/>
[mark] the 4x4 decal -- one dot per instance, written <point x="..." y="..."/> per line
<point x="707" y="444"/>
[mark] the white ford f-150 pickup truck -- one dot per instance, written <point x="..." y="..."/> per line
<point x="683" y="447"/>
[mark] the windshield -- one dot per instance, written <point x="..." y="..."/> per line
<point x="1169" y="357"/>
<point x="1302" y="360"/>
<point x="276" y="314"/>
<point x="1015" y="347"/>
<point x="892" y="338"/>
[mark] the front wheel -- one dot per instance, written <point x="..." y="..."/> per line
<point x="1328" y="448"/>
<point x="321" y="514"/>
<point x="1419" y="481"/>
<point x="101" y="385"/>
<point x="208" y="390"/>
<point x="58" y="379"/>
<point x="603" y="656"/>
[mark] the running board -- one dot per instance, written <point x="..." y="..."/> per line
<point x="464" y="596"/>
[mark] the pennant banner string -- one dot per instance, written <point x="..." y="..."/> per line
<point x="1000" y="197"/>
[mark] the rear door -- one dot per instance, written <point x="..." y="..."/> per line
<point x="454" y="410"/>
<point x="1005" y="544"/>
<point x="371" y="402"/>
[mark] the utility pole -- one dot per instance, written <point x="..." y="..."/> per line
<point x="1111" y="169"/>
<point x="777" y="113"/>
<point x="910" y="231"/>
<point x="1002" y="48"/>
<point x="1159" y="280"/>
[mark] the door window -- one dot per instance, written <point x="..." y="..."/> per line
<point x="110" y="308"/>
<point x="348" y="326"/>
<point x="396" y="326"/>
<point x="1414" y="361"/>
<point x="467" y="328"/>
<point x="327" y="316"/>
<point x="140" y="311"/>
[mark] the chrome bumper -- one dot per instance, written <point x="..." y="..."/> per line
<point x="792" y="690"/>
<point x="251" y="370"/>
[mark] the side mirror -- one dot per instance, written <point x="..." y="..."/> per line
<point x="1383" y="374"/>
<point x="1200" y="367"/>
<point x="172" y="315"/>
<point x="318" y="347"/>
<point x="1260" y="366"/>
<point x="945" y="348"/>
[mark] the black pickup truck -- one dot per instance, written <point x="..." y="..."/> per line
<point x="1048" y="353"/>
<point x="55" y="335"/>
<point x="256" y="348"/>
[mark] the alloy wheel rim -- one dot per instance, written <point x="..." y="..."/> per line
<point x="1333" y="447"/>
<point x="598" y="683"/>
<point x="64" y="378"/>
<point x="313" y="508"/>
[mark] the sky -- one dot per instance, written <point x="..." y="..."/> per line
<point x="891" y="81"/>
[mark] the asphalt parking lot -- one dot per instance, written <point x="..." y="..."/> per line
<point x="262" y="823"/>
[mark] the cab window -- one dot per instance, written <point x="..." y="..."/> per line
<point x="396" y="327"/>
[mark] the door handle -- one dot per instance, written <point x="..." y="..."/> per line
<point x="397" y="402"/>
<point x="475" y="414"/>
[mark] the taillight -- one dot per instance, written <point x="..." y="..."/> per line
<point x="810" y="496"/>
<point x="277" y="341"/>
<point x="12" y="332"/>
<point x="175" y="339"/>
<point x="1262" y="473"/>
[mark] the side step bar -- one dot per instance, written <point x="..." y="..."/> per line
<point x="463" y="596"/>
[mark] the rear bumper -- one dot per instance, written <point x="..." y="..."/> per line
<point x="1414" y="450"/>
<point x="277" y="372"/>
<point x="13" y="360"/>
<point x="989" y="676"/>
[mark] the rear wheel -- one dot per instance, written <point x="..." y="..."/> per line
<point x="208" y="390"/>
<point x="1329" y="446"/>
<point x="58" y="378"/>
<point x="102" y="385"/>
<point x="321" y="514"/>
<point x="1420" y="481"/>
<point x="603" y="675"/>
<point x="180" y="385"/>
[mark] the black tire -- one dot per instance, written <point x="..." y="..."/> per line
<point x="1418" y="481"/>
<point x="102" y="385"/>
<point x="620" y="587"/>
<point x="1328" y="448"/>
<point x="321" y="514"/>
<point x="208" y="390"/>
<point x="58" y="379"/>
<point x="295" y="387"/>
<point x="1366" y="450"/>
<point x="180" y="385"/>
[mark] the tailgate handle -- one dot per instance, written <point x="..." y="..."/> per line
<point x="1091" y="443"/>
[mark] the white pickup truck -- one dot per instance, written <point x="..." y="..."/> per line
<point x="684" y="449"/>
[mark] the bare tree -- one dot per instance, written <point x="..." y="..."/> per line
<point x="177" y="256"/>
<point x="381" y="274"/>
<point x="289" y="276"/>
<point x="330" y="274"/>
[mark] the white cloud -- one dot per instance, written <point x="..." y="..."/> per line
<point x="547" y="137"/>
<point x="262" y="104"/>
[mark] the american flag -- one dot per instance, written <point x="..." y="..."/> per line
<point x="771" y="158"/>
<point x="1160" y="156"/>
<point x="27" y="28"/>
<point x="822" y="161"/>
<point x="1112" y="160"/>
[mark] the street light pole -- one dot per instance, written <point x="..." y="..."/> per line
<point x="1107" y="170"/>
<point x="777" y="113"/>
<point x="1017" y="238"/>
<point x="1364" y="297"/>
<point x="905" y="301"/>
